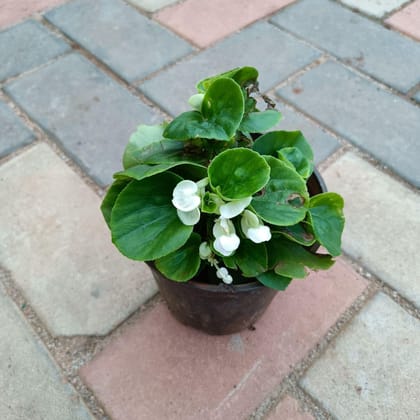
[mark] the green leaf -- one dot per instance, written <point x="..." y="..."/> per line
<point x="221" y="113"/>
<point x="327" y="220"/>
<point x="230" y="262"/>
<point x="291" y="259"/>
<point x="270" y="143"/>
<point x="250" y="104"/>
<point x="303" y="166"/>
<point x="241" y="75"/>
<point x="296" y="233"/>
<point x="147" y="142"/>
<point x="191" y="125"/>
<point x="142" y="171"/>
<point x="238" y="173"/>
<point x="182" y="264"/>
<point x="273" y="280"/>
<point x="283" y="201"/>
<point x="144" y="223"/>
<point x="251" y="258"/>
<point x="110" y="198"/>
<point x="258" y="122"/>
<point x="188" y="171"/>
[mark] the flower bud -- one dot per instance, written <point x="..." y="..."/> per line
<point x="196" y="100"/>
<point x="204" y="251"/>
<point x="223" y="274"/>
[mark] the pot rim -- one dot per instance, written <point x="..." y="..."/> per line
<point x="253" y="284"/>
<point x="320" y="179"/>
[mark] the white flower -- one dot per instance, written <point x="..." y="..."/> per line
<point x="187" y="200"/>
<point x="189" y="218"/>
<point x="185" y="196"/>
<point x="234" y="208"/>
<point x="223" y="274"/>
<point x="253" y="228"/>
<point x="226" y="242"/>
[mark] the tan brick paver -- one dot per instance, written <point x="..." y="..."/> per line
<point x="13" y="11"/>
<point x="206" y="21"/>
<point x="407" y="20"/>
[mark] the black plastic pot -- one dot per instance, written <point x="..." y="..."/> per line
<point x="220" y="308"/>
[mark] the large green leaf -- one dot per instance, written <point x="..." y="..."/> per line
<point x="221" y="113"/>
<point x="110" y="198"/>
<point x="144" y="223"/>
<point x="291" y="259"/>
<point x="296" y="233"/>
<point x="258" y="122"/>
<point x="238" y="173"/>
<point x="283" y="201"/>
<point x="303" y="166"/>
<point x="327" y="220"/>
<point x="270" y="143"/>
<point x="273" y="280"/>
<point x="182" y="264"/>
<point x="241" y="75"/>
<point x="148" y="142"/>
<point x="142" y="171"/>
<point x="251" y="258"/>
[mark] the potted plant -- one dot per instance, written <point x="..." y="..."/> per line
<point x="225" y="212"/>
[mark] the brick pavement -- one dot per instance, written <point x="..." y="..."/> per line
<point x="84" y="335"/>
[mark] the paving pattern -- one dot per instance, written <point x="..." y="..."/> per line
<point x="84" y="333"/>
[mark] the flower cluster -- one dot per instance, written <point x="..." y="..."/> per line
<point x="187" y="199"/>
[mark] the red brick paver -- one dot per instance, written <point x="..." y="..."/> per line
<point x="206" y="21"/>
<point x="160" y="369"/>
<point x="407" y="20"/>
<point x="288" y="409"/>
<point x="12" y="11"/>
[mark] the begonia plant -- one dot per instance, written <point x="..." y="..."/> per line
<point x="214" y="191"/>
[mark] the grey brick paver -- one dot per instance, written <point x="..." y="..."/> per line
<point x="13" y="133"/>
<point x="417" y="96"/>
<point x="382" y="222"/>
<point x="89" y="113"/>
<point x="323" y="143"/>
<point x="275" y="53"/>
<point x="384" y="54"/>
<point x="372" y="369"/>
<point x="26" y="46"/>
<point x="377" y="121"/>
<point x="31" y="385"/>
<point x="56" y="245"/>
<point x="128" y="42"/>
